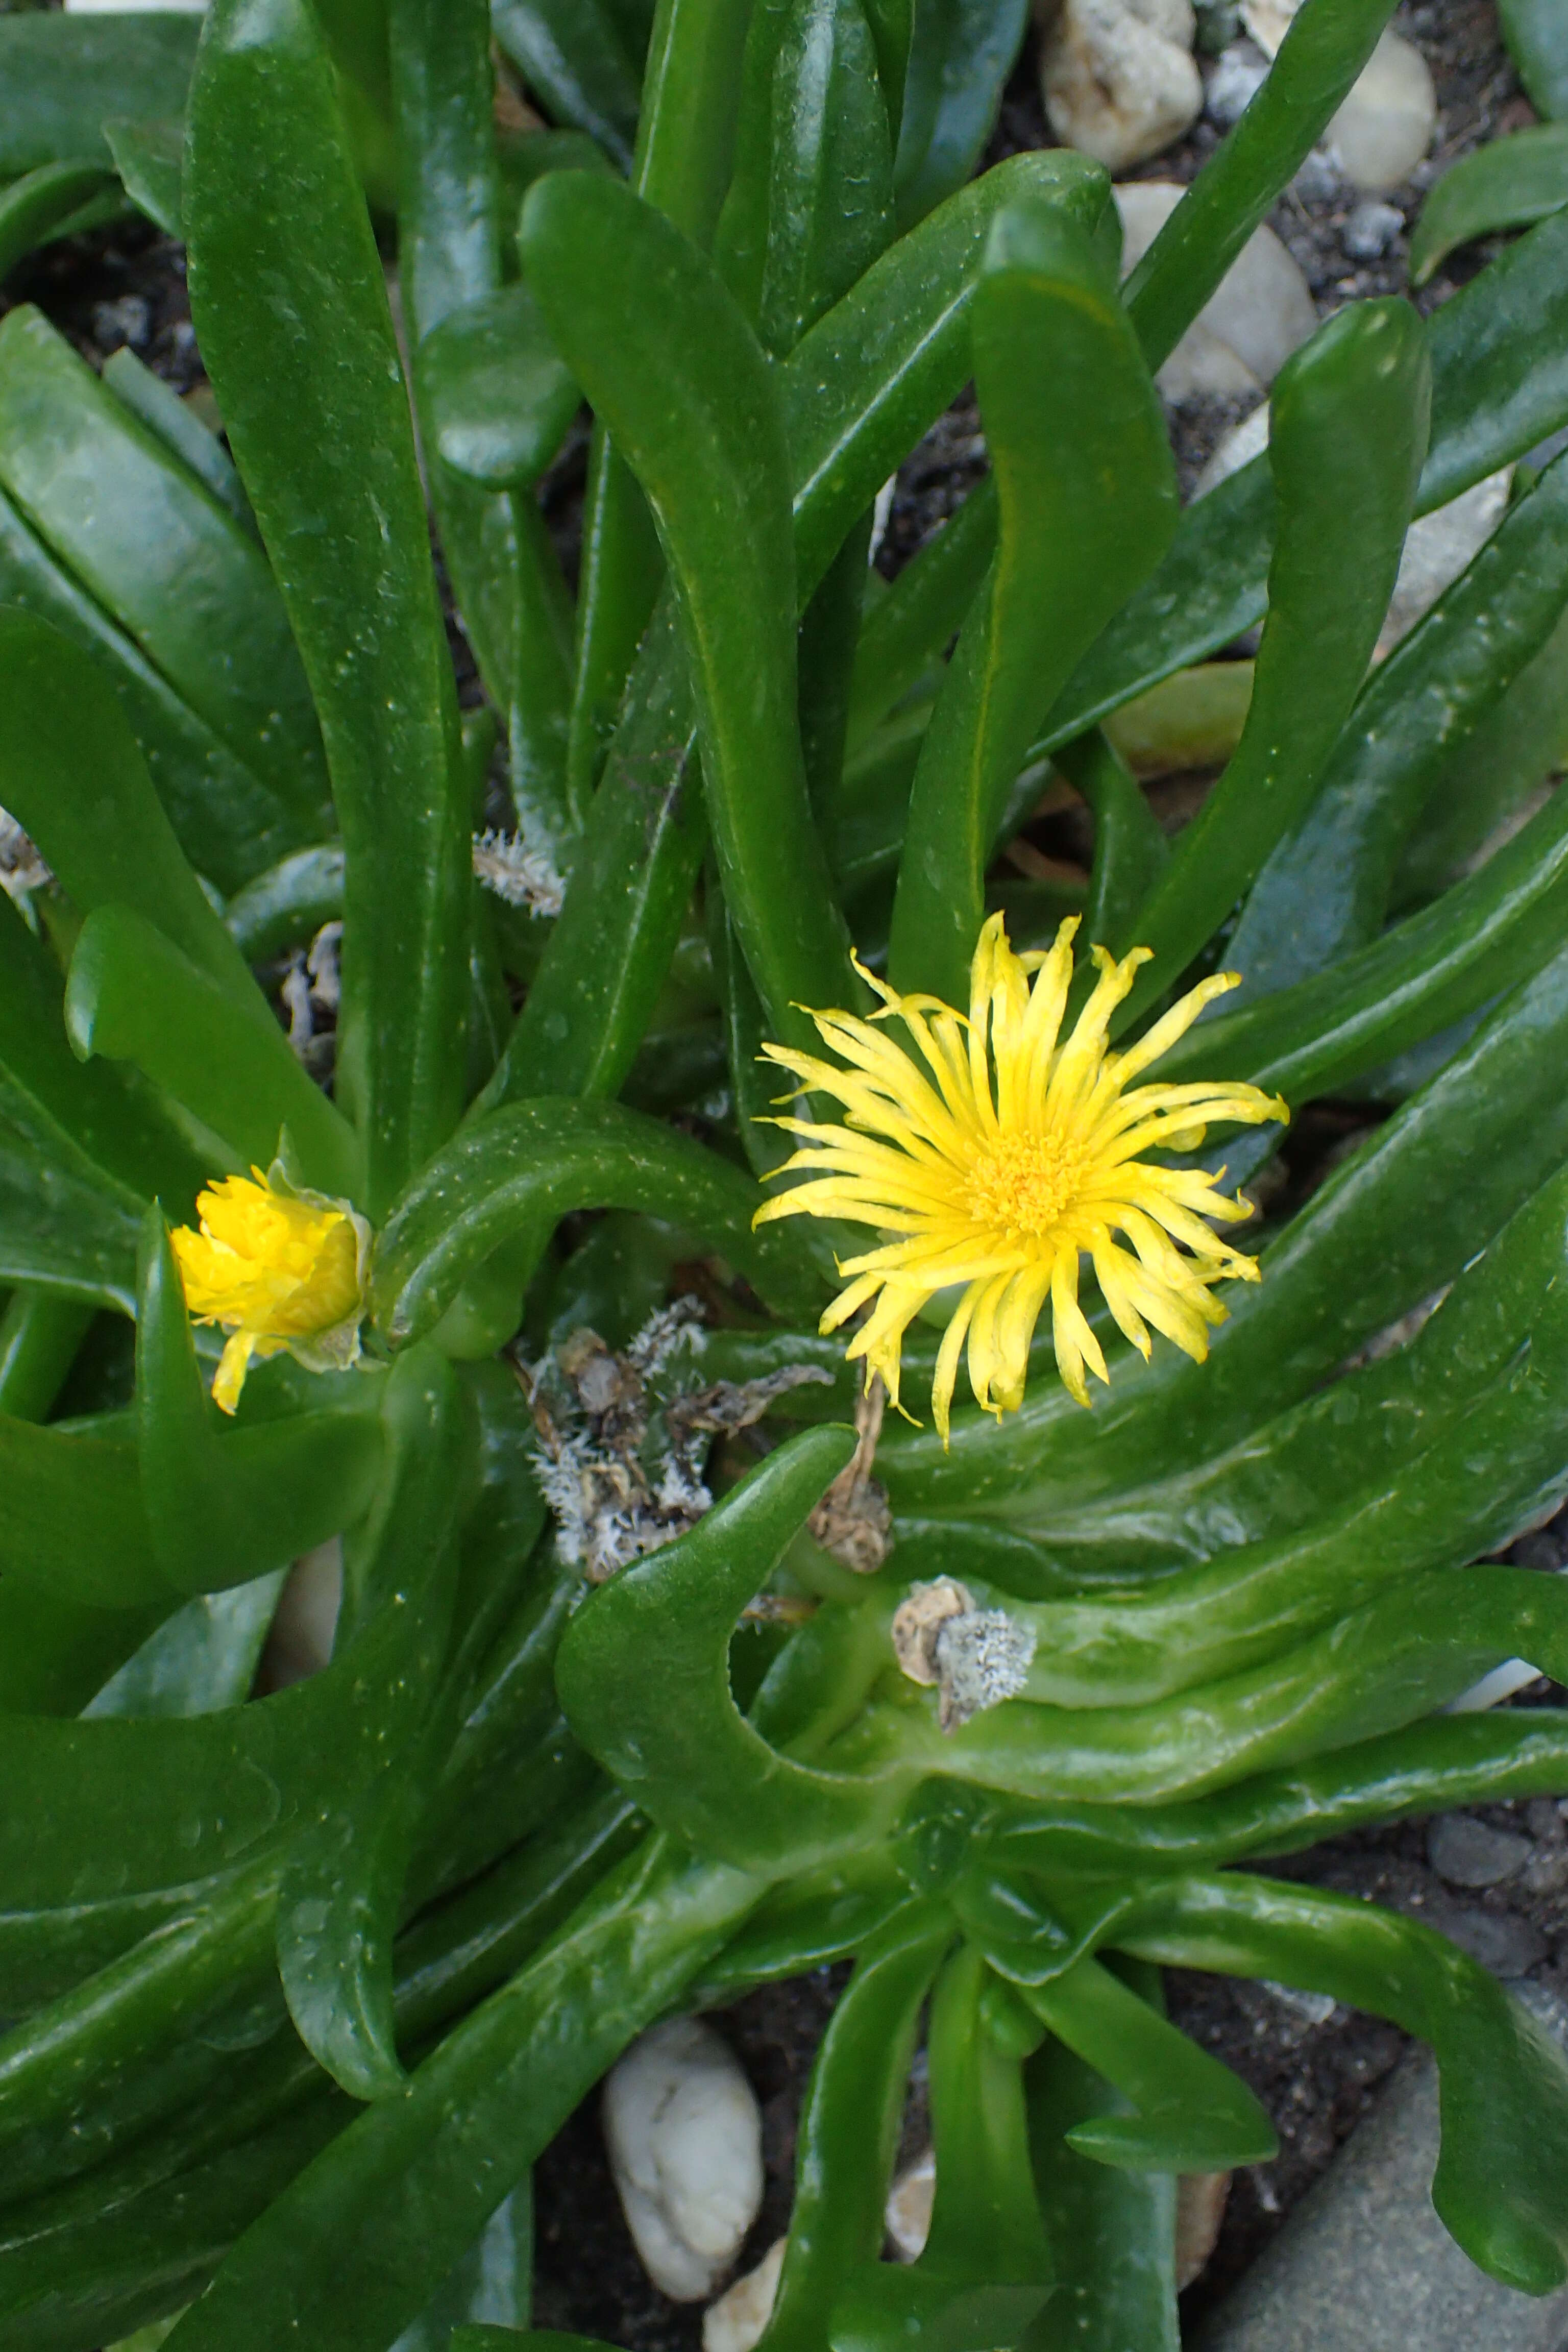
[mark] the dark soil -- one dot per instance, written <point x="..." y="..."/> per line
<point x="1316" y="2073"/>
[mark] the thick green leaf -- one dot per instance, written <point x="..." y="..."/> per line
<point x="202" y="1658"/>
<point x="371" y="2228"/>
<point x="73" y="1518"/>
<point x="227" y="823"/>
<point x="179" y="574"/>
<point x="678" y="1742"/>
<point x="1086" y="495"/>
<point x="668" y="362"/>
<point x="495" y="389"/>
<point x="150" y="159"/>
<point x="59" y="82"/>
<point x="486" y="2295"/>
<point x="1348" y="436"/>
<point x="959" y="53"/>
<point x="287" y="904"/>
<point x="1320" y="59"/>
<point x="1503" y="2172"/>
<point x="1533" y="31"/>
<point x="1326" y="887"/>
<point x="226" y="1504"/>
<point x="1191" y="2114"/>
<point x="163" y="411"/>
<point x="1113" y="2233"/>
<point x="342" y="1893"/>
<point x="73" y="777"/>
<point x="523" y="1167"/>
<point x="133" y="997"/>
<point x="1486" y="407"/>
<point x="573" y="57"/>
<point x="45" y="204"/>
<point x="54" y="1654"/>
<point x="847" y="2138"/>
<point x="290" y="305"/>
<point x="1508" y="185"/>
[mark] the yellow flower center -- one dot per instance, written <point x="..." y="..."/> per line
<point x="1024" y="1183"/>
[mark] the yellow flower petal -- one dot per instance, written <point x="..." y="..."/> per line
<point x="993" y="1153"/>
<point x="274" y="1269"/>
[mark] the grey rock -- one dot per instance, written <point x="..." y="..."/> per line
<point x="1239" y="73"/>
<point x="1370" y="230"/>
<point x="1500" y="1941"/>
<point x="1318" y="180"/>
<point x="128" y="320"/>
<point x="1467" y="1852"/>
<point x="1364" y="2264"/>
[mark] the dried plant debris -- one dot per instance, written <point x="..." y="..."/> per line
<point x="520" y="876"/>
<point x="975" y="1657"/>
<point x="623" y="1439"/>
<point x="21" y="867"/>
<point x="854" y="1520"/>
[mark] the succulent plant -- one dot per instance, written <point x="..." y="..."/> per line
<point x="671" y="1659"/>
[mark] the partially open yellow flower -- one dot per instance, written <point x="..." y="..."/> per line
<point x="1012" y="1158"/>
<point x="276" y="1268"/>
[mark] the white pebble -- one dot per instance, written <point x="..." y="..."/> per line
<point x="685" y="2136"/>
<point x="1259" y="313"/>
<point x="1238" y="75"/>
<point x="735" y="2322"/>
<point x="1119" y="78"/>
<point x="908" y="2213"/>
<point x="1370" y="230"/>
<point x="1438" y="548"/>
<point x="1385" y="125"/>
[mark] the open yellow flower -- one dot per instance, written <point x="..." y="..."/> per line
<point x="275" y="1267"/>
<point x="1013" y="1157"/>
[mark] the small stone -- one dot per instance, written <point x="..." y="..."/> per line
<point x="1260" y="312"/>
<point x="1201" y="2200"/>
<point x="1310" y="2010"/>
<point x="736" y="2322"/>
<point x="1370" y="230"/>
<point x="908" y="2213"/>
<point x="1501" y="1941"/>
<point x="1318" y="180"/>
<point x="305" y="1623"/>
<point x="1119" y="79"/>
<point x="684" y="2138"/>
<point x="127" y="320"/>
<point x="1239" y="74"/>
<point x="1468" y="1852"/>
<point x="1544" y="1819"/>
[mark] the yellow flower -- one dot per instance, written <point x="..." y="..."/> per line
<point x="277" y="1267"/>
<point x="1009" y="1160"/>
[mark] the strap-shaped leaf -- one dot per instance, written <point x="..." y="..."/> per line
<point x="1508" y="185"/>
<point x="1086" y="495"/>
<point x="58" y="81"/>
<point x="376" y="2222"/>
<point x="523" y="1169"/>
<point x="1486" y="408"/>
<point x="72" y="776"/>
<point x="151" y="545"/>
<point x="677" y="1739"/>
<point x="55" y="2067"/>
<point x="342" y="1893"/>
<point x="1534" y="34"/>
<point x="1501" y="2183"/>
<point x="1113" y="2233"/>
<point x="56" y="200"/>
<point x="1326" y="886"/>
<point x="573" y="53"/>
<point x="958" y="55"/>
<point x="149" y="156"/>
<point x="1415" y="1649"/>
<point x="228" y="1504"/>
<point x="668" y="363"/>
<point x="1191" y="2114"/>
<point x="847" y="2137"/>
<point x="1320" y="59"/>
<point x="1348" y="436"/>
<point x="133" y="997"/>
<point x="496" y="389"/>
<point x="72" y="1520"/>
<point x="292" y="308"/>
